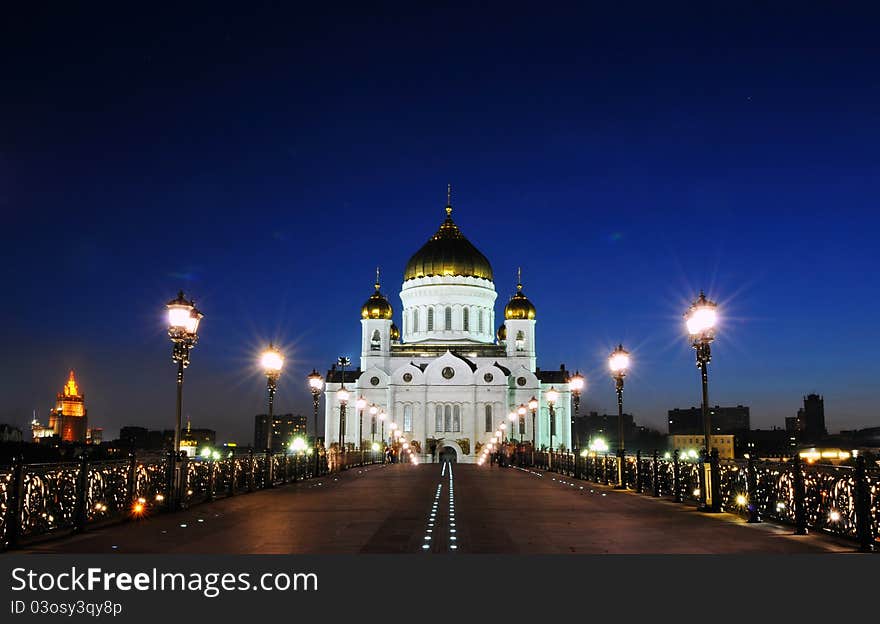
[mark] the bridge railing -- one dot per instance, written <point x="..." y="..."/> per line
<point x="52" y="499"/>
<point x="839" y="500"/>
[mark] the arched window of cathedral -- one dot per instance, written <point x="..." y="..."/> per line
<point x="372" y="426"/>
<point x="375" y="341"/>
<point x="447" y="417"/>
<point x="407" y="418"/>
<point x="480" y="324"/>
<point x="430" y="319"/>
<point x="489" y="420"/>
<point x="447" y="319"/>
<point x="465" y="319"/>
<point x="520" y="341"/>
<point x="438" y="418"/>
<point x="456" y="418"/>
<point x="415" y="324"/>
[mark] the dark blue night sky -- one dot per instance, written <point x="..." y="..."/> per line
<point x="267" y="162"/>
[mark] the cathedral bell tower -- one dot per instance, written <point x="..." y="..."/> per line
<point x="519" y="324"/>
<point x="377" y="329"/>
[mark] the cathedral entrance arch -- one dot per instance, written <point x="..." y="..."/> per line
<point x="447" y="454"/>
<point x="447" y="450"/>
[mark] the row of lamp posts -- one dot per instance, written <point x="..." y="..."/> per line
<point x="700" y="320"/>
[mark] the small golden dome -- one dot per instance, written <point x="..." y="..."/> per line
<point x="502" y="333"/>
<point x="395" y="333"/>
<point x="448" y="252"/>
<point x="377" y="306"/>
<point x="519" y="307"/>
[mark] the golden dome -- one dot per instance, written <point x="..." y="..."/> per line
<point x="519" y="307"/>
<point x="448" y="252"/>
<point x="502" y="333"/>
<point x="377" y="306"/>
<point x="395" y="333"/>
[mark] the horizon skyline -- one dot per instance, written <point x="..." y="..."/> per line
<point x="658" y="423"/>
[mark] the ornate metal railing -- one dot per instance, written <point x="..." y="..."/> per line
<point x="840" y="500"/>
<point x="40" y="500"/>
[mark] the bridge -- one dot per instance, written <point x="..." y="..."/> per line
<point x="541" y="503"/>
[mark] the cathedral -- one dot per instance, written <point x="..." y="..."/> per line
<point x="445" y="377"/>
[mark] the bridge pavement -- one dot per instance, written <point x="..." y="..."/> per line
<point x="387" y="509"/>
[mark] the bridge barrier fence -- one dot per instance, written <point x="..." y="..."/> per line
<point x="843" y="501"/>
<point x="44" y="500"/>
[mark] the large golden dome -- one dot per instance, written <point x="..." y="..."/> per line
<point x="519" y="307"/>
<point x="377" y="306"/>
<point x="449" y="253"/>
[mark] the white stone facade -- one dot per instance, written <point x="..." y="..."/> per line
<point x="448" y="378"/>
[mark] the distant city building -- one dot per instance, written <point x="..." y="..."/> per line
<point x="134" y="437"/>
<point x="869" y="437"/>
<point x="8" y="433"/>
<point x="724" y="420"/>
<point x="95" y="435"/>
<point x="769" y="443"/>
<point x="40" y="432"/>
<point x="811" y="418"/>
<point x="725" y="443"/>
<point x="68" y="418"/>
<point x="193" y="440"/>
<point x="285" y="428"/>
<point x="141" y="438"/>
<point x="605" y="426"/>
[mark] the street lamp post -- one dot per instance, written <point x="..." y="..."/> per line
<point x="512" y="418"/>
<point x="533" y="408"/>
<point x="316" y="386"/>
<point x="183" y="325"/>
<point x="552" y="397"/>
<point x="521" y="417"/>
<point x="373" y="411"/>
<point x="361" y="403"/>
<point x="700" y="320"/>
<point x="618" y="362"/>
<point x="342" y="398"/>
<point x="272" y="362"/>
<point x="576" y="383"/>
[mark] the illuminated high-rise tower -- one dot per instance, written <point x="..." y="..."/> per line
<point x="68" y="419"/>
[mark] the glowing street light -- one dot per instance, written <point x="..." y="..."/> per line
<point x="533" y="408"/>
<point x="373" y="412"/>
<point x="599" y="445"/>
<point x="272" y="362"/>
<point x="183" y="326"/>
<point x="342" y="397"/>
<point x="316" y="387"/>
<point x="618" y="363"/>
<point x="700" y="320"/>
<point x="552" y="396"/>
<point x="382" y="417"/>
<point x="576" y="383"/>
<point x="361" y="404"/>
